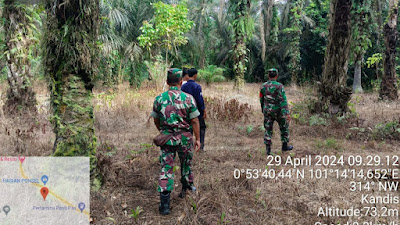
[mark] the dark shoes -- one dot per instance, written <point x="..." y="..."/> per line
<point x="164" y="203"/>
<point x="165" y="198"/>
<point x="268" y="150"/>
<point x="286" y="147"/>
<point x="184" y="188"/>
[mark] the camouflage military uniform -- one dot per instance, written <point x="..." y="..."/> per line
<point x="275" y="108"/>
<point x="175" y="109"/>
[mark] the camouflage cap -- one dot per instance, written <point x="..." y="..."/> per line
<point x="272" y="73"/>
<point x="174" y="73"/>
<point x="273" y="70"/>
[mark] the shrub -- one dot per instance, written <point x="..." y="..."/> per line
<point x="136" y="212"/>
<point x="390" y="130"/>
<point x="229" y="111"/>
<point x="249" y="129"/>
<point x="376" y="85"/>
<point x="211" y="74"/>
<point x="299" y="112"/>
<point x="157" y="72"/>
<point x="328" y="144"/>
<point x="317" y="120"/>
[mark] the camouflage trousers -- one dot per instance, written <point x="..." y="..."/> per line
<point x="167" y="159"/>
<point x="269" y="120"/>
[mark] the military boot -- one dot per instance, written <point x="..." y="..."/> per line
<point x="186" y="187"/>
<point x="286" y="147"/>
<point x="164" y="203"/>
<point x="268" y="149"/>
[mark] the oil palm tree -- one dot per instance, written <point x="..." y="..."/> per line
<point x="243" y="26"/>
<point x="19" y="23"/>
<point x="70" y="59"/>
<point x="388" y="88"/>
<point x="333" y="89"/>
<point x="119" y="32"/>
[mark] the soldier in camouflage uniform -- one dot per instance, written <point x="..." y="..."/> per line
<point x="175" y="112"/>
<point x="275" y="108"/>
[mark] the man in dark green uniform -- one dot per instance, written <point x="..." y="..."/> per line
<point x="175" y="113"/>
<point x="275" y="108"/>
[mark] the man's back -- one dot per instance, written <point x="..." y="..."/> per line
<point x="175" y="115"/>
<point x="175" y="109"/>
<point x="275" y="108"/>
<point x="194" y="89"/>
<point x="273" y="97"/>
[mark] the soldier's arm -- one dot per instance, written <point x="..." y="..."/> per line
<point x="155" y="114"/>
<point x="196" y="130"/>
<point x="262" y="100"/>
<point x="283" y="102"/>
<point x="200" y="101"/>
<point x="194" y="121"/>
<point x="157" y="123"/>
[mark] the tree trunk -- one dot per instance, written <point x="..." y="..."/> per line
<point x="71" y="63"/>
<point x="286" y="13"/>
<point x="357" y="88"/>
<point x="241" y="12"/>
<point x="221" y="9"/>
<point x="294" y="43"/>
<point x="75" y="127"/>
<point x="268" y="7"/>
<point x="262" y="32"/>
<point x="120" y="79"/>
<point x="389" y="80"/>
<point x="200" y="33"/>
<point x="379" y="19"/>
<point x="166" y="55"/>
<point x="20" y="95"/>
<point x="202" y="61"/>
<point x="333" y="89"/>
<point x="240" y="63"/>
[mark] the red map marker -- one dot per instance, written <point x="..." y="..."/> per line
<point x="21" y="159"/>
<point x="44" y="191"/>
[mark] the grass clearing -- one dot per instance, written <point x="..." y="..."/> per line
<point x="129" y="162"/>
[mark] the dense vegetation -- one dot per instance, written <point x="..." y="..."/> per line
<point x="105" y="43"/>
<point x="242" y="37"/>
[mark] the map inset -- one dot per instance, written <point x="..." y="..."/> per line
<point x="44" y="190"/>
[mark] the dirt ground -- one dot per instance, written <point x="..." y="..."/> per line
<point x="129" y="161"/>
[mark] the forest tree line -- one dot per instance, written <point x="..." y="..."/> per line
<point x="289" y="35"/>
<point x="347" y="46"/>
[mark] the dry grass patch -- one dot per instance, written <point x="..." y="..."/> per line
<point x="129" y="162"/>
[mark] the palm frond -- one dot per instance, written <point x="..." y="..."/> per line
<point x="307" y="21"/>
<point x="133" y="52"/>
<point x="119" y="17"/>
<point x="110" y="42"/>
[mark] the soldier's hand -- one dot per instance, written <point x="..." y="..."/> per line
<point x="289" y="118"/>
<point x="197" y="145"/>
<point x="205" y="114"/>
